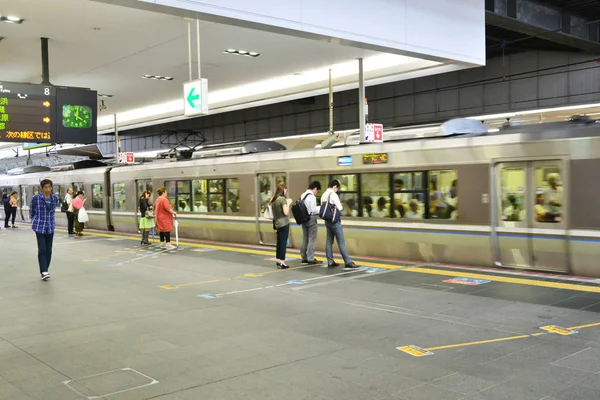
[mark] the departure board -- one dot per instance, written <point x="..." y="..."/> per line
<point x="47" y="114"/>
<point x="27" y="113"/>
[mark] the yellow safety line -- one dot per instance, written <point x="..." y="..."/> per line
<point x="421" y="270"/>
<point x="503" y="339"/>
<point x="585" y="326"/>
<point x="506" y="279"/>
<point x="450" y="346"/>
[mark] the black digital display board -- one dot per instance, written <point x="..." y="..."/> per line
<point x="47" y="114"/>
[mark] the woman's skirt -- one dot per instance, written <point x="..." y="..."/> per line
<point x="147" y="223"/>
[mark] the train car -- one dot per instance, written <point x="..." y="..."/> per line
<point x="523" y="197"/>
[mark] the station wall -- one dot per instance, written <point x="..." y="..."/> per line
<point x="516" y="82"/>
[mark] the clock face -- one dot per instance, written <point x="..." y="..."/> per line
<point x="77" y="116"/>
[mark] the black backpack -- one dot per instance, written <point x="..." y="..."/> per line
<point x="300" y="212"/>
<point x="64" y="206"/>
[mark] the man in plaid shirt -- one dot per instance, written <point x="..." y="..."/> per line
<point x="41" y="211"/>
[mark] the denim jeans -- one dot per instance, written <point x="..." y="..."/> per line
<point x="334" y="231"/>
<point x="44" y="242"/>
<point x="282" y="239"/>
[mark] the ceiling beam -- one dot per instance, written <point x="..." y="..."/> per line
<point x="544" y="22"/>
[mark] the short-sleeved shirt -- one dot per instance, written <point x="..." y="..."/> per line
<point x="279" y="217"/>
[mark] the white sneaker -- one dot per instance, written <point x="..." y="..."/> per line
<point x="170" y="247"/>
<point x="45" y="276"/>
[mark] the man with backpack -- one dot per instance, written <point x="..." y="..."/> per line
<point x="330" y="212"/>
<point x="307" y="211"/>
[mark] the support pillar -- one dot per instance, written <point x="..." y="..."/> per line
<point x="361" y="100"/>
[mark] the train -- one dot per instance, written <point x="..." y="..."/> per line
<point x="522" y="197"/>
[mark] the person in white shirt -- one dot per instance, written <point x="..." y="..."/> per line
<point x="334" y="230"/>
<point x="310" y="228"/>
<point x="554" y="196"/>
<point x="71" y="213"/>
<point x="413" y="213"/>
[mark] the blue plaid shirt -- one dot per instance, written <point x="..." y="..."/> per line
<point x="41" y="212"/>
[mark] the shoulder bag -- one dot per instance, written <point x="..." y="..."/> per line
<point x="329" y="212"/>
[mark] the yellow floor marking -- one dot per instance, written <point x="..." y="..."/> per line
<point x="503" y="339"/>
<point x="506" y="279"/>
<point x="584" y="326"/>
<point x="450" y="346"/>
<point x="422" y="270"/>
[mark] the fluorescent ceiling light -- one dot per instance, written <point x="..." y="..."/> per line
<point x="158" y="77"/>
<point x="309" y="77"/>
<point x="537" y="111"/>
<point x="245" y="53"/>
<point x="11" y="20"/>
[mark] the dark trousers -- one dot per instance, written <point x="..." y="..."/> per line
<point x="165" y="236"/>
<point x="44" y="241"/>
<point x="71" y="221"/>
<point x="10" y="211"/>
<point x="282" y="238"/>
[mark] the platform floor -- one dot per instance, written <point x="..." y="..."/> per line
<point x="214" y="321"/>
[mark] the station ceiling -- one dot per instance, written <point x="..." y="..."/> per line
<point x="110" y="48"/>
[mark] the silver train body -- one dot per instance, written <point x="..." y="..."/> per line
<point x="478" y="234"/>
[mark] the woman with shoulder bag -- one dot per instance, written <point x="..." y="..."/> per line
<point x="147" y="217"/>
<point x="281" y="222"/>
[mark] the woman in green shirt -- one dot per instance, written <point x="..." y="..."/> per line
<point x="281" y="222"/>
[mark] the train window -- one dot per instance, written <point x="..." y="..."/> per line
<point x="216" y="195"/>
<point x="36" y="190"/>
<point x="443" y="194"/>
<point x="548" y="194"/>
<point x="199" y="193"/>
<point x="322" y="179"/>
<point x="512" y="194"/>
<point x="61" y="192"/>
<point x="409" y="195"/>
<point x="143" y="185"/>
<point x="119" y="196"/>
<point x="184" y="196"/>
<point x="77" y="186"/>
<point x="233" y="195"/>
<point x="171" y="187"/>
<point x="349" y="194"/>
<point x="265" y="191"/>
<point x="375" y="191"/>
<point x="97" y="196"/>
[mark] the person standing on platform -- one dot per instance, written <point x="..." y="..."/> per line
<point x="164" y="214"/>
<point x="70" y="211"/>
<point x="281" y="222"/>
<point x="310" y="228"/>
<point x="42" y="213"/>
<point x="13" y="203"/>
<point x="334" y="230"/>
<point x="77" y="204"/>
<point x="147" y="217"/>
<point x="6" y="204"/>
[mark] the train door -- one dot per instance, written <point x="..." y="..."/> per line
<point x="528" y="211"/>
<point x="265" y="187"/>
<point x="141" y="185"/>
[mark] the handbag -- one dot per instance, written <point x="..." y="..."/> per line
<point x="329" y="212"/>
<point x="149" y="214"/>
<point x="268" y="212"/>
<point x="82" y="216"/>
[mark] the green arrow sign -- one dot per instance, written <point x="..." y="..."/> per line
<point x="191" y="97"/>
